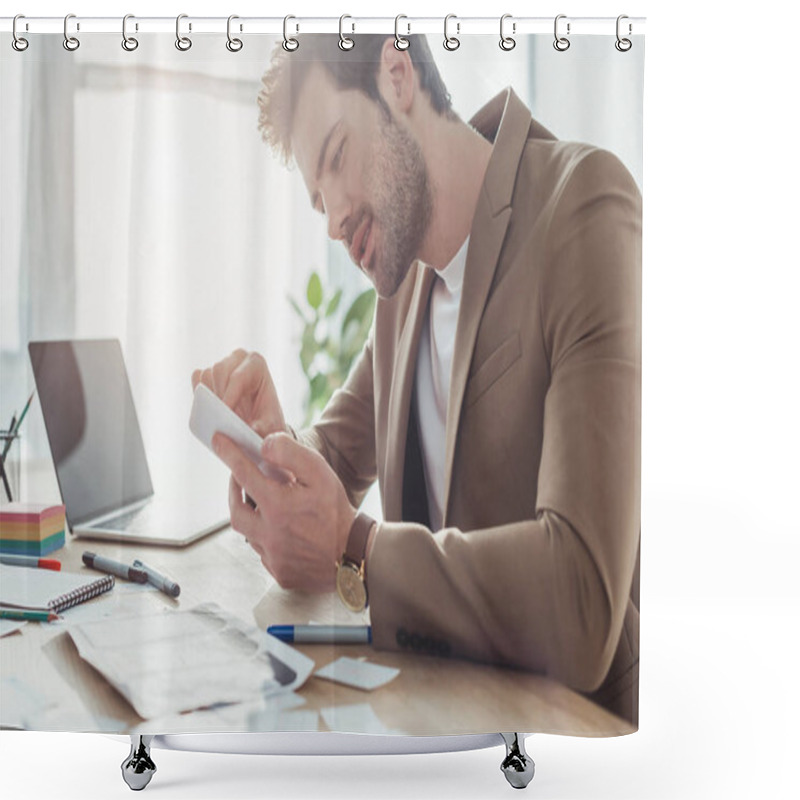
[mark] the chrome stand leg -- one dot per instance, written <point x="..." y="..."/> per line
<point x="518" y="766"/>
<point x="138" y="768"/>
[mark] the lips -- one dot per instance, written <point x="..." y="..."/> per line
<point x="361" y="240"/>
<point x="369" y="246"/>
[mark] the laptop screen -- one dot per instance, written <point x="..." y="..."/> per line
<point x="91" y="425"/>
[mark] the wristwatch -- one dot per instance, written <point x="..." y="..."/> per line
<point x="350" y="584"/>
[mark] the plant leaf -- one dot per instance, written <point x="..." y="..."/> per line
<point x="361" y="308"/>
<point x="314" y="291"/>
<point x="334" y="303"/>
<point x="308" y="348"/>
<point x="297" y="309"/>
<point x="319" y="387"/>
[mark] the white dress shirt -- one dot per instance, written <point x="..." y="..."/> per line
<point x="434" y="365"/>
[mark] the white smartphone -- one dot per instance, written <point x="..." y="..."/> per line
<point x="210" y="415"/>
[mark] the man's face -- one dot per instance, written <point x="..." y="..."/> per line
<point x="367" y="174"/>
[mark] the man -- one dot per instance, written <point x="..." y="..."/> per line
<point x="497" y="400"/>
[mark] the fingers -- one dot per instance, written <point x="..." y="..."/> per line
<point x="283" y="451"/>
<point x="245" y="521"/>
<point x="245" y="472"/>
<point x="243" y="517"/>
<point x="273" y="499"/>
<point x="245" y="379"/>
<point x="217" y="376"/>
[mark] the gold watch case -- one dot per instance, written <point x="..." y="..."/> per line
<point x="350" y="585"/>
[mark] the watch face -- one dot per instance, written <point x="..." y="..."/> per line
<point x="351" y="587"/>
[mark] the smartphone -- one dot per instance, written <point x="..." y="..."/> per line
<point x="210" y="415"/>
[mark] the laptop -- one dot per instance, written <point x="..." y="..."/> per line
<point x="98" y="451"/>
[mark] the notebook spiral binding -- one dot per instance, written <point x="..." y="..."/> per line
<point x="78" y="596"/>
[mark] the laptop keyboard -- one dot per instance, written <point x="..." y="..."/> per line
<point x="157" y="518"/>
<point x="132" y="521"/>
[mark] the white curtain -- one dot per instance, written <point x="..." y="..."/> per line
<point x="155" y="215"/>
<point x="208" y="233"/>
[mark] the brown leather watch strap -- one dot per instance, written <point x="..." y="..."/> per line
<point x="356" y="548"/>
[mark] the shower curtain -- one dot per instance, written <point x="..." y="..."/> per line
<point x="410" y="264"/>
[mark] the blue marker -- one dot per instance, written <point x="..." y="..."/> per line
<point x="322" y="634"/>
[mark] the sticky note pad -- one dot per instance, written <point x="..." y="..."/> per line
<point x="31" y="529"/>
<point x="358" y="674"/>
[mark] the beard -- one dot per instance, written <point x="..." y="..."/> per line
<point x="402" y="206"/>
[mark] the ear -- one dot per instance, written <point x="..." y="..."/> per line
<point x="396" y="78"/>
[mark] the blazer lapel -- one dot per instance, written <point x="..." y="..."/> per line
<point x="405" y="363"/>
<point x="481" y="263"/>
<point x="507" y="122"/>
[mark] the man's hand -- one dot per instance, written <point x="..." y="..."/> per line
<point x="300" y="530"/>
<point x="243" y="382"/>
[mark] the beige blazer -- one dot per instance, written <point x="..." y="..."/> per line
<point x="534" y="566"/>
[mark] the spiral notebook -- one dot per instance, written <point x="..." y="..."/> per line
<point x="32" y="589"/>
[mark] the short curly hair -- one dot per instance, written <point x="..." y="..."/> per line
<point x="356" y="68"/>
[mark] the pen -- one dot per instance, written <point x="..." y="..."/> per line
<point x="123" y="571"/>
<point x="10" y="433"/>
<point x="31" y="561"/>
<point x="24" y="412"/>
<point x="13" y="428"/>
<point x="35" y="616"/>
<point x="161" y="582"/>
<point x="6" y="448"/>
<point x="322" y="634"/>
<point x="5" y="479"/>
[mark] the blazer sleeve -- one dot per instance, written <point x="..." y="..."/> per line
<point x="548" y="594"/>
<point x="345" y="433"/>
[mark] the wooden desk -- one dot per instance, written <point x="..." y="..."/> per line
<point x="430" y="696"/>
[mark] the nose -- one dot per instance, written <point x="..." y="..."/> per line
<point x="338" y="212"/>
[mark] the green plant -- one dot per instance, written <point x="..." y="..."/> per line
<point x="328" y="349"/>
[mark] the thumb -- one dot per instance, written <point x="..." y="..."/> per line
<point x="283" y="451"/>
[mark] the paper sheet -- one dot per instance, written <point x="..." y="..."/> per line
<point x="234" y="717"/>
<point x="355" y="718"/>
<point x="283" y="716"/>
<point x="169" y="662"/>
<point x="305" y="720"/>
<point x="8" y="626"/>
<point x="105" y="606"/>
<point x="23" y="706"/>
<point x="358" y="674"/>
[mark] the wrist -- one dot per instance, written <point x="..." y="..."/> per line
<point x="370" y="539"/>
<point x="348" y="517"/>
<point x="351" y="584"/>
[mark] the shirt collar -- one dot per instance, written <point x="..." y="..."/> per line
<point x="453" y="273"/>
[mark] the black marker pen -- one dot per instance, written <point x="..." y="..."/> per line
<point x="112" y="567"/>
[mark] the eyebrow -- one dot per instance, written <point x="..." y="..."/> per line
<point x="321" y="160"/>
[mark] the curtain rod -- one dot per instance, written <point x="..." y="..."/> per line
<point x="462" y="26"/>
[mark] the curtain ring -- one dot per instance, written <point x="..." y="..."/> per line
<point x="623" y="45"/>
<point x="345" y="42"/>
<point x="561" y="43"/>
<point x="70" y="42"/>
<point x="400" y="42"/>
<point x="451" y="42"/>
<point x="18" y="42"/>
<point x="507" y="42"/>
<point x="183" y="43"/>
<point x="290" y="44"/>
<point x="129" y="43"/>
<point x="234" y="45"/>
